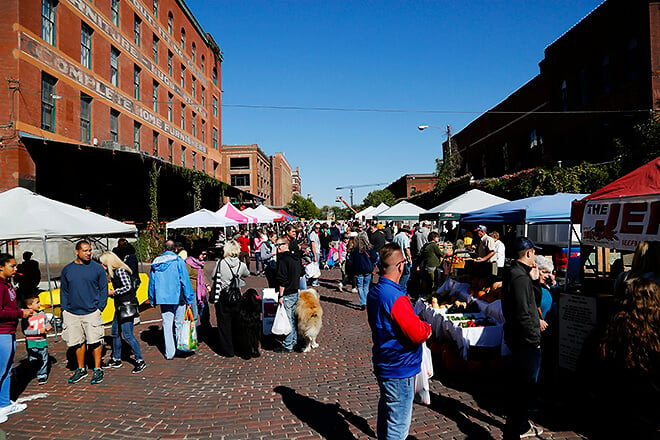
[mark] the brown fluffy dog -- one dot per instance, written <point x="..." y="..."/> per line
<point x="309" y="314"/>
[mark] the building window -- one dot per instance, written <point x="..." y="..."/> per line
<point x="632" y="60"/>
<point x="136" y="135"/>
<point x="156" y="8"/>
<point x="215" y="106"/>
<point x="114" y="67"/>
<point x="183" y="39"/>
<point x="86" y="46"/>
<point x="239" y="163"/>
<point x="154" y="141"/>
<point x="154" y="97"/>
<point x="169" y="107"/>
<point x="215" y="76"/>
<point x="215" y="168"/>
<point x="203" y="168"/>
<point x="170" y="150"/>
<point x="203" y="98"/>
<point x="183" y="77"/>
<point x="183" y="156"/>
<point x="114" y="125"/>
<point x="584" y="87"/>
<point x="240" y="179"/>
<point x="605" y="63"/>
<point x="136" y="82"/>
<point x="215" y="138"/>
<point x="194" y="125"/>
<point x="564" y="96"/>
<point x="48" y="9"/>
<point x="154" y="49"/>
<point x="137" y="30"/>
<point x="183" y="116"/>
<point x="203" y="62"/>
<point x="169" y="23"/>
<point x="48" y="102"/>
<point x="203" y="131"/>
<point x="169" y="62"/>
<point x="193" y="85"/>
<point x="114" y="12"/>
<point x="194" y="51"/>
<point x="194" y="160"/>
<point x="85" y="118"/>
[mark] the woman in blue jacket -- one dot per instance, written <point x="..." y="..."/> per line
<point x="362" y="260"/>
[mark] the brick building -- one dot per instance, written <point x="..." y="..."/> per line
<point x="252" y="170"/>
<point x="116" y="87"/>
<point x="296" y="183"/>
<point x="411" y="184"/>
<point x="596" y="82"/>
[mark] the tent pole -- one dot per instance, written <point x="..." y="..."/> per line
<point x="568" y="254"/>
<point x="50" y="287"/>
<point x="525" y="229"/>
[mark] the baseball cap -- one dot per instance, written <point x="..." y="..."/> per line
<point x="524" y="243"/>
<point x="380" y="226"/>
<point x="481" y="228"/>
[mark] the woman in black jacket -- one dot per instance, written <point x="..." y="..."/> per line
<point x="362" y="260"/>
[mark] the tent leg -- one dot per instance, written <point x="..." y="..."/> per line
<point x="50" y="287"/>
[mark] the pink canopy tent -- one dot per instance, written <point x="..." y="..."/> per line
<point x="229" y="211"/>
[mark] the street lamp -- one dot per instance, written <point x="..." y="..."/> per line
<point x="447" y="130"/>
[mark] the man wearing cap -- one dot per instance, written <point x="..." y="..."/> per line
<point x="522" y="334"/>
<point x="486" y="251"/>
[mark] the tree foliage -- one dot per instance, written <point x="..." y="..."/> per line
<point x="375" y="198"/>
<point x="641" y="147"/>
<point x="303" y="208"/>
<point x="447" y="168"/>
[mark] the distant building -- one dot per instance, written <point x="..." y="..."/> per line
<point x="596" y="81"/>
<point x="102" y="92"/>
<point x="296" y="183"/>
<point x="411" y="184"/>
<point x="248" y="168"/>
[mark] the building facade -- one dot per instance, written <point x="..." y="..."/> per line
<point x="250" y="169"/>
<point x="410" y="184"/>
<point x="596" y="81"/>
<point x="126" y="84"/>
<point x="296" y="183"/>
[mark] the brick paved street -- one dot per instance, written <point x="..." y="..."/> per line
<point x="329" y="393"/>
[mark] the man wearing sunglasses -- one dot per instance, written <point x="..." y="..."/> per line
<point x="287" y="277"/>
<point x="398" y="335"/>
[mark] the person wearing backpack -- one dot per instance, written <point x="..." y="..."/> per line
<point x="362" y="260"/>
<point x="228" y="280"/>
<point x="269" y="258"/>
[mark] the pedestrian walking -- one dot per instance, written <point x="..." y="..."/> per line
<point x="362" y="260"/>
<point x="170" y="288"/>
<point x="287" y="276"/>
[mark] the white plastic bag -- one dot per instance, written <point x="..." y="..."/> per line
<point x="281" y="324"/>
<point x="422" y="388"/>
<point x="312" y="270"/>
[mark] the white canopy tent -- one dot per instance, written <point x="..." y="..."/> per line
<point x="401" y="211"/>
<point x="267" y="215"/>
<point x="472" y="200"/>
<point x="377" y="210"/>
<point x="364" y="212"/>
<point x="25" y="215"/>
<point x="201" y="219"/>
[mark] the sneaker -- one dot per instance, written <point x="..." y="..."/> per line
<point x="534" y="431"/>
<point x="78" y="375"/>
<point x="114" y="363"/>
<point x="354" y="291"/>
<point x="97" y="376"/>
<point x="341" y="286"/>
<point x="280" y="349"/>
<point x="42" y="380"/>
<point x="13" y="408"/>
<point x="3" y="418"/>
<point x="139" y="366"/>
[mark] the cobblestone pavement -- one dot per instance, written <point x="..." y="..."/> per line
<point x="329" y="392"/>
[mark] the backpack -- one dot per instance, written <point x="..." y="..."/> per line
<point x="231" y="294"/>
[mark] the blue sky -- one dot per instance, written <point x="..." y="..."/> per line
<point x="457" y="58"/>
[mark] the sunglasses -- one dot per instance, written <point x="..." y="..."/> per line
<point x="401" y="262"/>
<point x="280" y="244"/>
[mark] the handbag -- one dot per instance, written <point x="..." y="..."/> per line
<point x="186" y="338"/>
<point x="281" y="324"/>
<point x="128" y="310"/>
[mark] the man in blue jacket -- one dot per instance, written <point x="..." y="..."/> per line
<point x="170" y="288"/>
<point x="83" y="295"/>
<point x="398" y="335"/>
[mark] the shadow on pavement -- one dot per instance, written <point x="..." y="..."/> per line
<point x="329" y="420"/>
<point x="461" y="413"/>
<point x="153" y="337"/>
<point x="23" y="374"/>
<point x="341" y="302"/>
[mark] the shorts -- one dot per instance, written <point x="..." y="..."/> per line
<point x="78" y="329"/>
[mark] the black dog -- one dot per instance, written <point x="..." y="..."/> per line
<point x="248" y="335"/>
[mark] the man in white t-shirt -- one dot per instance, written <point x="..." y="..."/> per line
<point x="499" y="252"/>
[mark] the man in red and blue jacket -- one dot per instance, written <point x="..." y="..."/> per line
<point x="398" y="335"/>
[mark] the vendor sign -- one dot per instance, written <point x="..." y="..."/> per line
<point x="621" y="223"/>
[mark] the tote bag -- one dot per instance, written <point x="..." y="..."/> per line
<point x="186" y="338"/>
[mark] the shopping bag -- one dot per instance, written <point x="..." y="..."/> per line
<point x="281" y="324"/>
<point x="186" y="338"/>
<point x="422" y="388"/>
<point x="312" y="270"/>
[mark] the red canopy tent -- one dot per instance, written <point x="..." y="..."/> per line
<point x="288" y="216"/>
<point x="626" y="211"/>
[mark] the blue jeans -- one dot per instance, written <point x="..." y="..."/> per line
<point x="289" y="303"/>
<point x="125" y="329"/>
<point x="7" y="350"/>
<point x="303" y="283"/>
<point x="395" y="408"/>
<point x="405" y="276"/>
<point x="525" y="366"/>
<point x="172" y="319"/>
<point x="257" y="262"/>
<point x="363" y="281"/>
<point x="38" y="358"/>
